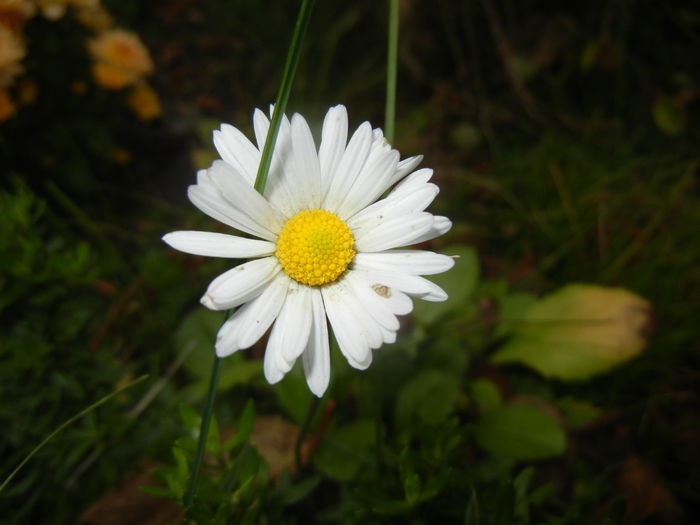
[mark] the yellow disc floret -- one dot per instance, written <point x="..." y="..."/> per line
<point x="315" y="247"/>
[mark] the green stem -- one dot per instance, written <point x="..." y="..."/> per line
<point x="66" y="424"/>
<point x="391" y="68"/>
<point x="203" y="431"/>
<point x="290" y="68"/>
<point x="313" y="405"/>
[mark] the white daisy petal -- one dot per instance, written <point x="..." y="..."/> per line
<point x="366" y="325"/>
<point x="236" y="150"/>
<point x="295" y="323"/>
<point x="261" y="124"/>
<point x="272" y="372"/>
<point x="376" y="304"/>
<point x="412" y="262"/>
<point x="290" y="333"/>
<point x="349" y="166"/>
<point x="240" y="284"/>
<point x="350" y="335"/>
<point x="405" y="167"/>
<point x="244" y="328"/>
<point x="413" y="285"/>
<point x="205" y="183"/>
<point x="214" y="205"/>
<point x="441" y="225"/>
<point x="372" y="181"/>
<point x="389" y="336"/>
<point x="412" y="182"/>
<point x="280" y="189"/>
<point x="218" y="244"/>
<point x="435" y="293"/>
<point x="241" y="195"/>
<point x="393" y="233"/>
<point x="316" y="356"/>
<point x="333" y="139"/>
<point x="391" y="207"/>
<point x="307" y="173"/>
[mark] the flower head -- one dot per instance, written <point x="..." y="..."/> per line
<point x="326" y="243"/>
<point x="143" y="101"/>
<point x="7" y="106"/>
<point x="55" y="9"/>
<point x="121" y="59"/>
<point x="12" y="51"/>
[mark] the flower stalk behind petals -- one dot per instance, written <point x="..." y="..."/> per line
<point x="290" y="68"/>
<point x="261" y="179"/>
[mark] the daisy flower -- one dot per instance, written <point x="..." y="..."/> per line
<point x="326" y="242"/>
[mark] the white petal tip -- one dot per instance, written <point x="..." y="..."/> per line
<point x="435" y="297"/>
<point x="318" y="385"/>
<point x="223" y="352"/>
<point x="318" y="391"/>
<point x="273" y="376"/>
<point x="208" y="302"/>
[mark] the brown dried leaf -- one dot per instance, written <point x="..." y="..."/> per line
<point x="128" y="504"/>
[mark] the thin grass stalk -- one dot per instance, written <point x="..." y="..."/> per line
<point x="290" y="68"/>
<point x="288" y="75"/>
<point x="391" y="69"/>
<point x="66" y="424"/>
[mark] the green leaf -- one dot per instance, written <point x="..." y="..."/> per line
<point x="238" y="370"/>
<point x="391" y="507"/>
<point x="300" y="491"/>
<point x="192" y="422"/>
<point x="485" y="394"/>
<point x="521" y="432"/>
<point x="668" y="115"/>
<point x="471" y="513"/>
<point x="577" y="413"/>
<point x="512" y="309"/>
<point x="412" y="488"/>
<point x="243" y="428"/>
<point x="195" y="338"/>
<point x="589" y="55"/>
<point x="293" y="395"/>
<point x="428" y="398"/>
<point x="578" y="331"/>
<point x="345" y="451"/>
<point x="459" y="283"/>
<point x="159" y="492"/>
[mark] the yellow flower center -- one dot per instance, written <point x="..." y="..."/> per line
<point x="315" y="247"/>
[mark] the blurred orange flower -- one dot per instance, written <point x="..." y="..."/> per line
<point x="94" y="17"/>
<point x="16" y="9"/>
<point x="12" y="52"/>
<point x="55" y="9"/>
<point x="27" y="91"/>
<point x="7" y="107"/>
<point x="121" y="58"/>
<point x="144" y="101"/>
<point x="111" y="77"/>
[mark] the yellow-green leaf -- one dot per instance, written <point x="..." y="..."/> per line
<point x="579" y="331"/>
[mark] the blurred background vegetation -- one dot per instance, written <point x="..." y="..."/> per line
<point x="559" y="384"/>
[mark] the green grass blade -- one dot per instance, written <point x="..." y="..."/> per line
<point x="290" y="68"/>
<point x="66" y="424"/>
<point x="288" y="75"/>
<point x="391" y="68"/>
